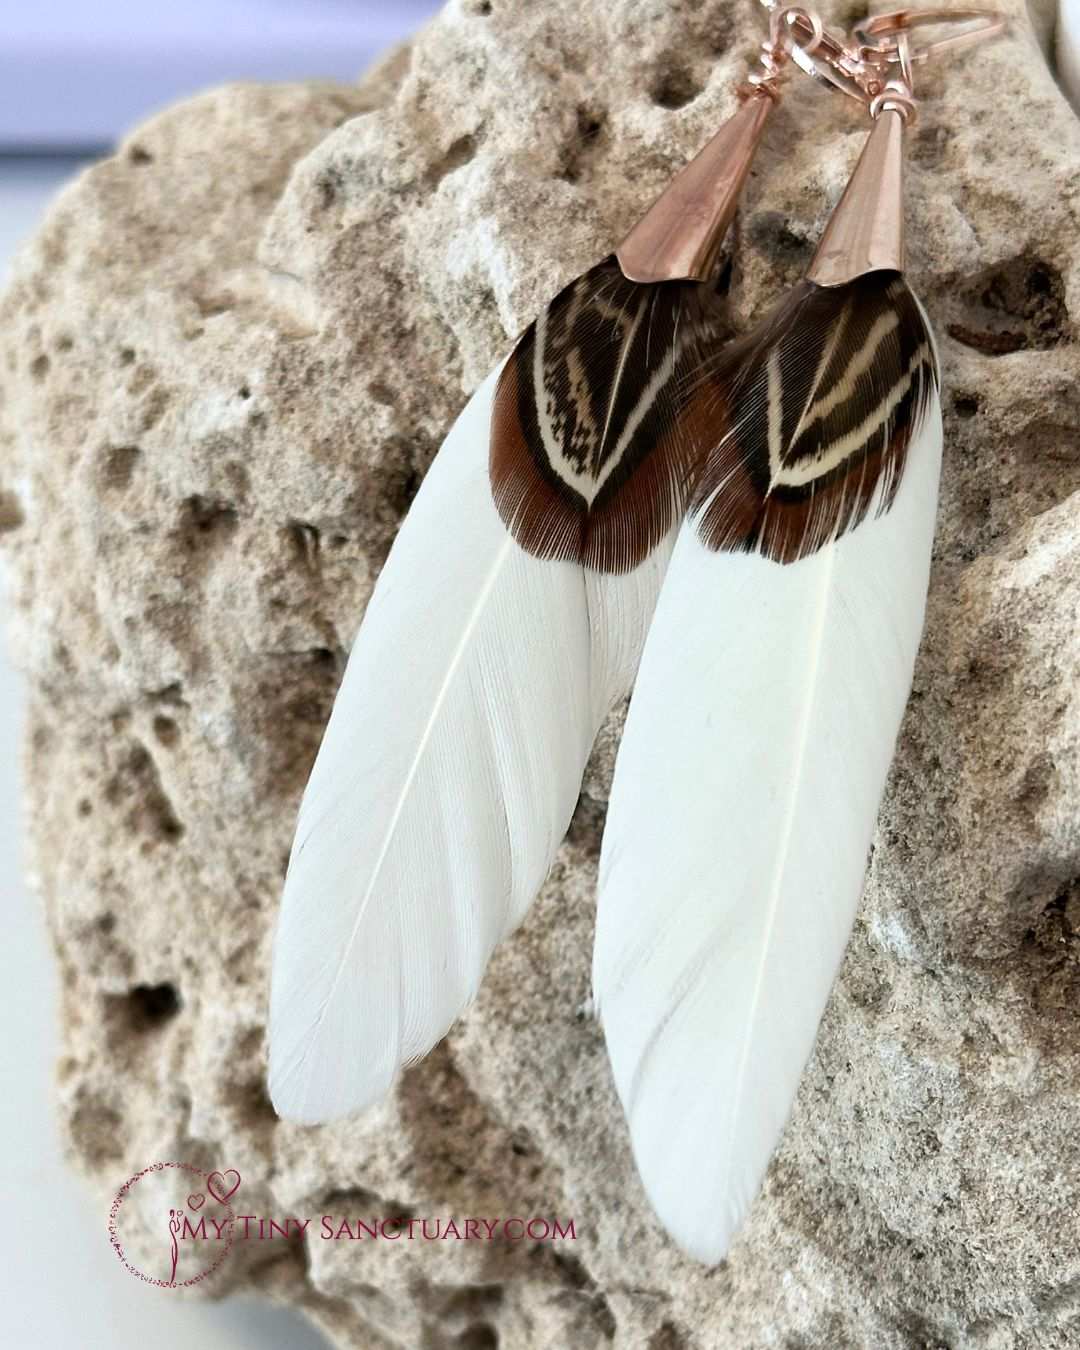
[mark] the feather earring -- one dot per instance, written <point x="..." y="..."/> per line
<point x="770" y="694"/>
<point x="508" y="619"/>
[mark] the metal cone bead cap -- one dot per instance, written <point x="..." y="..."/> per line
<point x="866" y="230"/>
<point x="679" y="238"/>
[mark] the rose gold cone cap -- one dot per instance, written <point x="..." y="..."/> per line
<point x="865" y="232"/>
<point x="679" y="238"/>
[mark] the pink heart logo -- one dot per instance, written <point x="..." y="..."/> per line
<point x="223" y="1185"/>
<point x="196" y="1201"/>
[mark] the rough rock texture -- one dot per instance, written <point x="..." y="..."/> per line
<point x="224" y="364"/>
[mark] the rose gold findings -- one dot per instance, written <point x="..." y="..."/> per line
<point x="679" y="238"/>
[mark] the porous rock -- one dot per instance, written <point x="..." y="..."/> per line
<point x="227" y="359"/>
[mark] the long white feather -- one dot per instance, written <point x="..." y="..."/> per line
<point x="446" y="780"/>
<point x="745" y="797"/>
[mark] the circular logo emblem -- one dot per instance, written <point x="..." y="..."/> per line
<point x="172" y="1224"/>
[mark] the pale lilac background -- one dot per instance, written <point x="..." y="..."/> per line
<point x="78" y="72"/>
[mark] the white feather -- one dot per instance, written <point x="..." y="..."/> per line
<point x="446" y="780"/>
<point x="745" y="797"/>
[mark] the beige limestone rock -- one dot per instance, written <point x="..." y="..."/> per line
<point x="226" y="361"/>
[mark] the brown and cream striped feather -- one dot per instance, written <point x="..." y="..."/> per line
<point x="818" y="406"/>
<point x="593" y="438"/>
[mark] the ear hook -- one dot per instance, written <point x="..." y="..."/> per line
<point x="876" y="65"/>
<point x="885" y="45"/>
<point x="799" y="35"/>
<point x="786" y="24"/>
<point x="877" y="39"/>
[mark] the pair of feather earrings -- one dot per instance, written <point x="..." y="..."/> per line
<point x="743" y="527"/>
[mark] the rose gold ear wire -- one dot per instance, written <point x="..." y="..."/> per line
<point x="865" y="232"/>
<point x="680" y="237"/>
<point x="876" y="39"/>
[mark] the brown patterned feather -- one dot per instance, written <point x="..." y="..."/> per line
<point x="818" y="407"/>
<point x="592" y="441"/>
